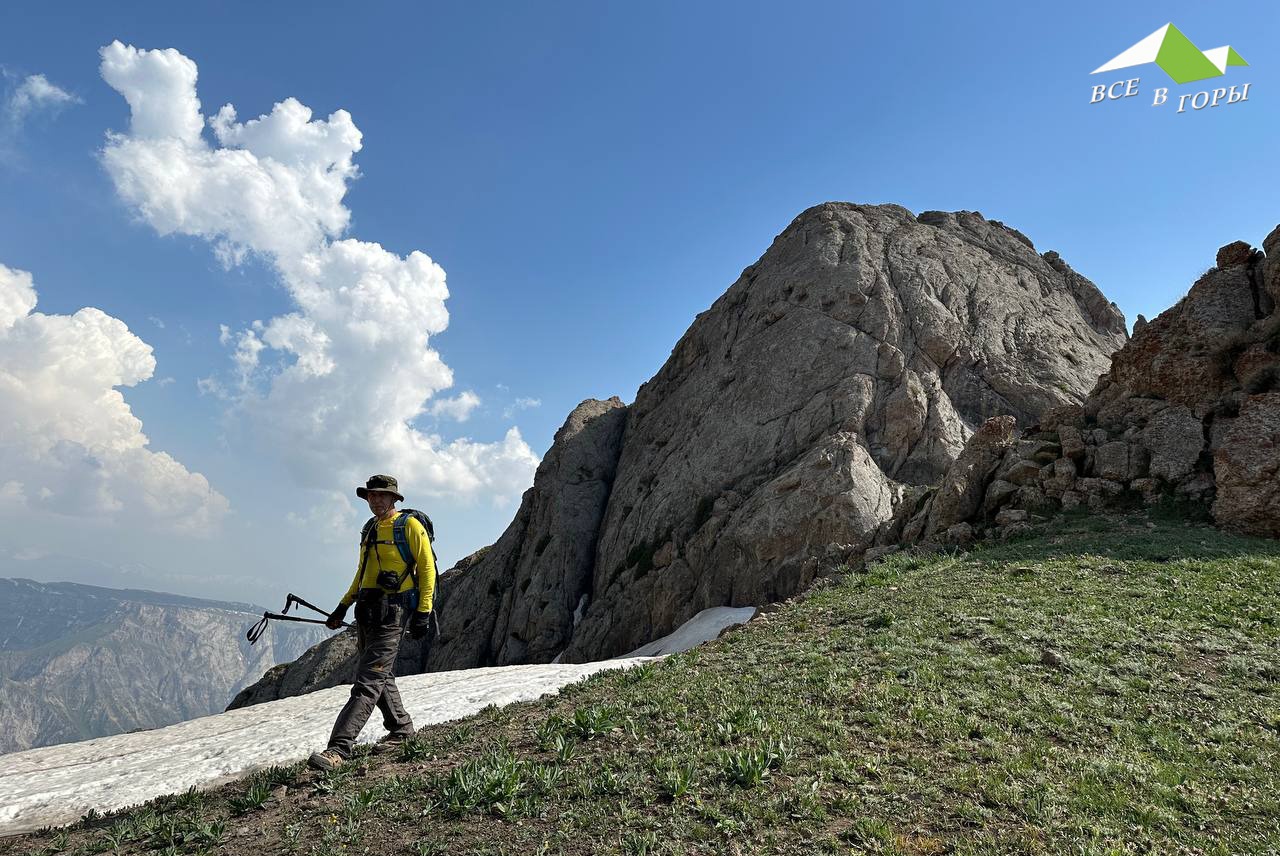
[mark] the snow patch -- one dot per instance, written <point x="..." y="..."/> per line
<point x="57" y="784"/>
<point x="703" y="627"/>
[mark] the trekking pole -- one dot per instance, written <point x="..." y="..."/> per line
<point x="293" y="599"/>
<point x="255" y="632"/>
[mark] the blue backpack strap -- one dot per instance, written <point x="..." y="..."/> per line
<point x="401" y="539"/>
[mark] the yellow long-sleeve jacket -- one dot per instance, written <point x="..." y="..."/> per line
<point x="385" y="557"/>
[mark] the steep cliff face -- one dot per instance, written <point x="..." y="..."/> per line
<point x="517" y="603"/>
<point x="81" y="661"/>
<point x="794" y="418"/>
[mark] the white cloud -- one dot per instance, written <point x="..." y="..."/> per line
<point x="69" y="443"/>
<point x="521" y="404"/>
<point x="457" y="408"/>
<point x="33" y="94"/>
<point x="331" y="388"/>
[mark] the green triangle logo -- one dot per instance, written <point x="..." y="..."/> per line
<point x="1182" y="60"/>
<point x="1234" y="58"/>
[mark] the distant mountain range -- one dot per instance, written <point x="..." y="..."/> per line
<point x="80" y="661"/>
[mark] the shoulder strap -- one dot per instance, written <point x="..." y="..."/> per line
<point x="401" y="539"/>
<point x="367" y="536"/>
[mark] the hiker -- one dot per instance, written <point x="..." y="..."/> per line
<point x="385" y="591"/>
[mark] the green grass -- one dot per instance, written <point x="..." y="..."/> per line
<point x="1111" y="688"/>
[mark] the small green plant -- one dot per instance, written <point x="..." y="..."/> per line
<point x="330" y="780"/>
<point x="276" y="776"/>
<point x="637" y="674"/>
<point x="545" y="777"/>
<point x="414" y="748"/>
<point x="589" y="723"/>
<point x="745" y="767"/>
<point x="210" y="833"/>
<point x="675" y="780"/>
<point x="640" y="843"/>
<point x="189" y="799"/>
<point x="359" y="803"/>
<point x="255" y="797"/>
<point x="547" y="731"/>
<point x="488" y="783"/>
<point x="292" y="835"/>
<point x="566" y="748"/>
<point x="748" y="767"/>
<point x="869" y="833"/>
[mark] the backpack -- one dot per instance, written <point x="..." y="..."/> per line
<point x="400" y="538"/>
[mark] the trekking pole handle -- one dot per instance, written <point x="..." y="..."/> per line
<point x="294" y="599"/>
<point x="255" y="632"/>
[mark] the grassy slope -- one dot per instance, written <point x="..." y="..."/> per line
<point x="1108" y="688"/>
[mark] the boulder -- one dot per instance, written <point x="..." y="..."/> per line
<point x="1174" y="437"/>
<point x="1234" y="253"/>
<point x="965" y="484"/>
<point x="1247" y="466"/>
<point x="1120" y="461"/>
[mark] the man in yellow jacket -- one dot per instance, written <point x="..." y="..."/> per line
<point x="385" y="591"/>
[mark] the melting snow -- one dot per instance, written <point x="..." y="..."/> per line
<point x="703" y="627"/>
<point x="57" y="784"/>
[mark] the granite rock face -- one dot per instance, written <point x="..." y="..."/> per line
<point x="864" y="336"/>
<point x="517" y="603"/>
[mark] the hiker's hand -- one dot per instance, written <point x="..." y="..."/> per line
<point x="419" y="625"/>
<point x="335" y="617"/>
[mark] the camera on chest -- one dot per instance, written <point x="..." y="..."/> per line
<point x="389" y="581"/>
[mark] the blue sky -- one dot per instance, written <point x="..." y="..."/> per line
<point x="589" y="177"/>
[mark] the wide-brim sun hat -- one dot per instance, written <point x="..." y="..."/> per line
<point x="385" y="484"/>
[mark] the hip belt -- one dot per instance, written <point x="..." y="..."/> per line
<point x="408" y="599"/>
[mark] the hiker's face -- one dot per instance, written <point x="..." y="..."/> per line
<point x="380" y="502"/>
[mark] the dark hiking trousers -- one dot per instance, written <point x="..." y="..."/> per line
<point x="378" y="629"/>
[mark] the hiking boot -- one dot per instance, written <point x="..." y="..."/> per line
<point x="389" y="743"/>
<point x="329" y="759"/>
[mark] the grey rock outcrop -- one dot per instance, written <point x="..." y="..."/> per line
<point x="1247" y="466"/>
<point x="517" y="603"/>
<point x="1190" y="409"/>
<point x="860" y="326"/>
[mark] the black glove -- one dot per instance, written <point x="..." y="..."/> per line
<point x="335" y="617"/>
<point x="422" y="624"/>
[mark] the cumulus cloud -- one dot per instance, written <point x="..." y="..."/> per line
<point x="457" y="408"/>
<point x="35" y="93"/>
<point x="333" y="386"/>
<point x="69" y="442"/>
<point x="522" y="403"/>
